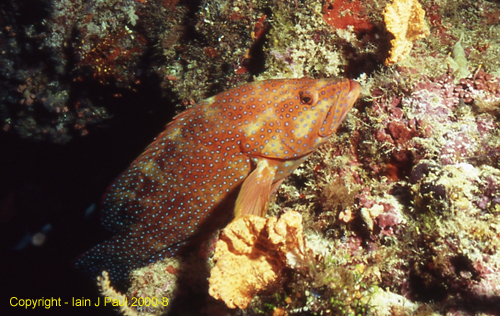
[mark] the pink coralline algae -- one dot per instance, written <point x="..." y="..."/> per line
<point x="490" y="193"/>
<point x="429" y="111"/>
<point x="380" y="216"/>
<point x="479" y="83"/>
<point x="427" y="92"/>
<point x="389" y="219"/>
<point x="488" y="283"/>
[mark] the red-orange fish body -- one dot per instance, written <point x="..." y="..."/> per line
<point x="238" y="144"/>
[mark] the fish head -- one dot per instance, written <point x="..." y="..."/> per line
<point x="299" y="116"/>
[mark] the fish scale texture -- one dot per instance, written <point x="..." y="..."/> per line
<point x="177" y="191"/>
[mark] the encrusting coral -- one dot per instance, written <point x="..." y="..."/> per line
<point x="405" y="20"/>
<point x="251" y="253"/>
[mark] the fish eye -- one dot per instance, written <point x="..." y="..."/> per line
<point x="305" y="98"/>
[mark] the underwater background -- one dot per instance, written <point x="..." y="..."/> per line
<point x="399" y="214"/>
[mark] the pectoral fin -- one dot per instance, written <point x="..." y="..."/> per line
<point x="255" y="191"/>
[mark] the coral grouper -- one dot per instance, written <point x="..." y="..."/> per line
<point x="227" y="153"/>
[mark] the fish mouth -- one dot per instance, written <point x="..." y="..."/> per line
<point x="354" y="92"/>
<point x="339" y="109"/>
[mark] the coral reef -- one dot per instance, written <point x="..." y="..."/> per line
<point x="251" y="254"/>
<point x="111" y="47"/>
<point x="52" y="62"/>
<point x="401" y="209"/>
<point x="310" y="46"/>
<point x="227" y="44"/>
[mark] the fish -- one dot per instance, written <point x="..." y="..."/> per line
<point x="217" y="161"/>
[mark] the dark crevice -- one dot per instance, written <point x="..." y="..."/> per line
<point x="257" y="63"/>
